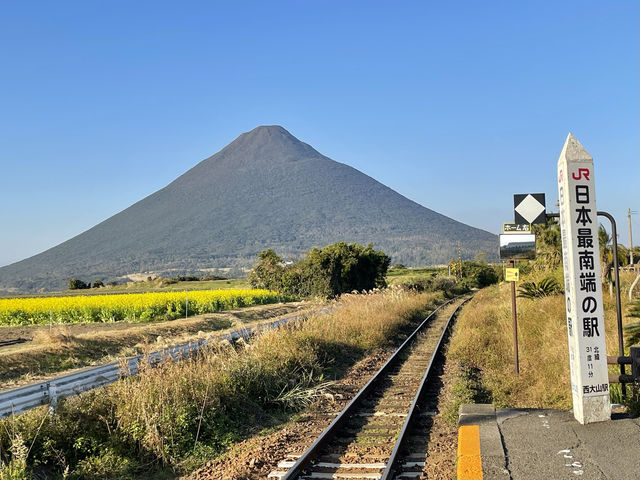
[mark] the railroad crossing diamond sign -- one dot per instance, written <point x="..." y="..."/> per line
<point x="529" y="208"/>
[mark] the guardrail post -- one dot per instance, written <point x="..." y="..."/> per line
<point x="53" y="398"/>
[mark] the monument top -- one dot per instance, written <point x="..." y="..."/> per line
<point x="574" y="151"/>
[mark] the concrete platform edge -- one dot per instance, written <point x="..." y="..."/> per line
<point x="491" y="460"/>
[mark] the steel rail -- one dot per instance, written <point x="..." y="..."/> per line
<point x="21" y="399"/>
<point x="390" y="469"/>
<point x="305" y="459"/>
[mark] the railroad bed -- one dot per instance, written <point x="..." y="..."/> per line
<point x="382" y="433"/>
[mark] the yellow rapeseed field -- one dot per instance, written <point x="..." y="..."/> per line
<point x="132" y="307"/>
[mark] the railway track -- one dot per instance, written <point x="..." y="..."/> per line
<point x="382" y="433"/>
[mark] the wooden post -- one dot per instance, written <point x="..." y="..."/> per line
<point x="514" y="319"/>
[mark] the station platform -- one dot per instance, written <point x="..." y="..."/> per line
<point x="532" y="444"/>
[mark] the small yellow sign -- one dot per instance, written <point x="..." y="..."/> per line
<point x="512" y="275"/>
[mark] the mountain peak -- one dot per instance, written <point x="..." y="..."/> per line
<point x="266" y="133"/>
<point x="267" y="144"/>
<point x="270" y="128"/>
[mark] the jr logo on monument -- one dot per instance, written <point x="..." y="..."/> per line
<point x="583" y="285"/>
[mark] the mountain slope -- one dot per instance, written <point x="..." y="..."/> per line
<point x="265" y="189"/>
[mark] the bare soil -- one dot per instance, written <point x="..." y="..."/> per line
<point x="241" y="316"/>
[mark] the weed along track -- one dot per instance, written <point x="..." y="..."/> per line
<point x="382" y="433"/>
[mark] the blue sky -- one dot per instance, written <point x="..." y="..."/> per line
<point x="456" y="105"/>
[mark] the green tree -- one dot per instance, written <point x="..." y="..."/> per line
<point x="267" y="273"/>
<point x="75" y="284"/>
<point x="325" y="272"/>
<point x="343" y="267"/>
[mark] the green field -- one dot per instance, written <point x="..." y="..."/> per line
<point x="397" y="275"/>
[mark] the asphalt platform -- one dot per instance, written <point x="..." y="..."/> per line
<point x="530" y="444"/>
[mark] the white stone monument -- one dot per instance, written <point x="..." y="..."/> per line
<point x="583" y="284"/>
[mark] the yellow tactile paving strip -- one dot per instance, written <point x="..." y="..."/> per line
<point x="469" y="460"/>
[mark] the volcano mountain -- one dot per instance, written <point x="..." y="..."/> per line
<point x="266" y="189"/>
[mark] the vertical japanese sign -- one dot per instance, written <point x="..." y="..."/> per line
<point x="583" y="285"/>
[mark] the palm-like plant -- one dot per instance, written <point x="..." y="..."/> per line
<point x="545" y="288"/>
<point x="548" y="246"/>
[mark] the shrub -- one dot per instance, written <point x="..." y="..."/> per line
<point x="208" y="278"/>
<point x="418" y="284"/>
<point x="485" y="276"/>
<point x="105" y="464"/>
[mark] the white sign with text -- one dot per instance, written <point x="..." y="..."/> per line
<point x="583" y="284"/>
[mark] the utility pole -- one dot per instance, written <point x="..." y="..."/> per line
<point x="630" y="238"/>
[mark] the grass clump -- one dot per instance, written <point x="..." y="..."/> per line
<point x="172" y="418"/>
<point x="16" y="467"/>
<point x="633" y="329"/>
<point x="468" y="388"/>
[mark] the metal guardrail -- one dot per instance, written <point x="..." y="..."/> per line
<point x="18" y="400"/>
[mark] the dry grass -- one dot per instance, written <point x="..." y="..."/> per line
<point x="64" y="347"/>
<point x="224" y="379"/>
<point x="183" y="413"/>
<point x="58" y="336"/>
<point x="483" y="339"/>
